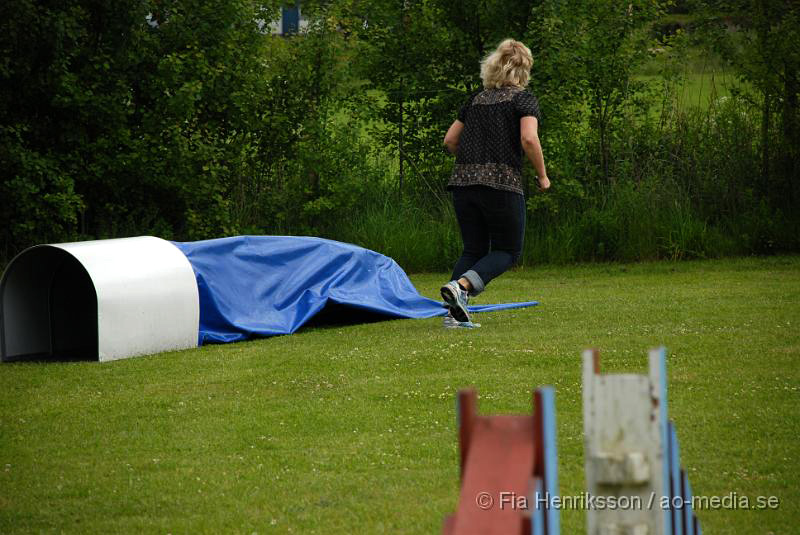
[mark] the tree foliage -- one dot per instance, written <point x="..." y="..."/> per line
<point x="188" y="119"/>
<point x="763" y="50"/>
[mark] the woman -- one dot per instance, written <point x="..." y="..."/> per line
<point x="493" y="130"/>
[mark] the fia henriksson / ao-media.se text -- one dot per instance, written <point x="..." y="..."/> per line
<point x="587" y="501"/>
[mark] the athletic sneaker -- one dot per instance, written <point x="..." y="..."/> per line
<point x="456" y="300"/>
<point x="451" y="323"/>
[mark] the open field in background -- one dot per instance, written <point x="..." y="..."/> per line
<point x="699" y="90"/>
<point x="700" y="79"/>
<point x="351" y="429"/>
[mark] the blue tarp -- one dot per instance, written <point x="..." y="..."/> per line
<point x="253" y="286"/>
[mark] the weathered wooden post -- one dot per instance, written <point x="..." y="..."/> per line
<point x="632" y="463"/>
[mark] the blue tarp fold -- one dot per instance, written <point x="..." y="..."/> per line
<point x="253" y="286"/>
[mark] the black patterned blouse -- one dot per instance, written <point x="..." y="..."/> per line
<point x="489" y="149"/>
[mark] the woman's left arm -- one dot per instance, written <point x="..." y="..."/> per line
<point x="529" y="137"/>
<point x="452" y="136"/>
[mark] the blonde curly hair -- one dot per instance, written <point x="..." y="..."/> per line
<point x="509" y="65"/>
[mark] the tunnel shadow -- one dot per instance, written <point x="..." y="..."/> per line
<point x="48" y="309"/>
<point x="338" y="315"/>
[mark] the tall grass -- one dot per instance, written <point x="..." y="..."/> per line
<point x="418" y="239"/>
<point x="635" y="222"/>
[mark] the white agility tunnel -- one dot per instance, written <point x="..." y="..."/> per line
<point x="98" y="300"/>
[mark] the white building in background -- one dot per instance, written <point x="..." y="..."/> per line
<point x="291" y="21"/>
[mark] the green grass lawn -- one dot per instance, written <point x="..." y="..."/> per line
<point x="351" y="429"/>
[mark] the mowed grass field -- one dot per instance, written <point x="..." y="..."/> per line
<point x="352" y="429"/>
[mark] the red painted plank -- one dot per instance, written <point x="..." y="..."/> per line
<point x="448" y="525"/>
<point x="499" y="463"/>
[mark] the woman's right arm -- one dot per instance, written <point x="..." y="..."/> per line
<point x="452" y="136"/>
<point x="529" y="136"/>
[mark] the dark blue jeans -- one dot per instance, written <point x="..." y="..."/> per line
<point x="492" y="226"/>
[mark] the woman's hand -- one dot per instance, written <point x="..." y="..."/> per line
<point x="544" y="183"/>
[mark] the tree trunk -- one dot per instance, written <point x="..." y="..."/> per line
<point x="765" y="144"/>
<point x="400" y="143"/>
<point x="790" y="131"/>
<point x="603" y="126"/>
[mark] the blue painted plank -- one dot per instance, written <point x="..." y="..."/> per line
<point x="665" y="437"/>
<point x="688" y="513"/>
<point x="550" y="459"/>
<point x="537" y="512"/>
<point x="675" y="481"/>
